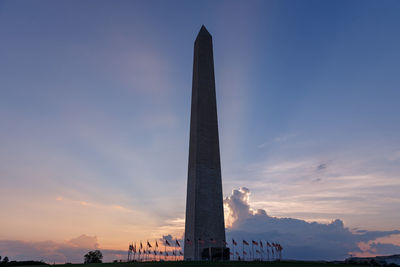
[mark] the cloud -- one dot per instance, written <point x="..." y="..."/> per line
<point x="359" y="190"/>
<point x="171" y="239"/>
<point x="84" y="241"/>
<point x="300" y="239"/>
<point x="284" y="138"/>
<point x="72" y="250"/>
<point x="395" y="156"/>
<point x="167" y="237"/>
<point x="381" y="246"/>
<point x="384" y="249"/>
<point x="321" y="167"/>
<point x="172" y="226"/>
<point x="279" y="139"/>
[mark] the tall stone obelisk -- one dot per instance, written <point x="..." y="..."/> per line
<point x="204" y="225"/>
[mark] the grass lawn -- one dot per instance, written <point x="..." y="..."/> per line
<point x="210" y="264"/>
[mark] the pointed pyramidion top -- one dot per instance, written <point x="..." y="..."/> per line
<point x="204" y="31"/>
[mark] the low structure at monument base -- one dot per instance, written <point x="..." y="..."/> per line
<point x="376" y="261"/>
<point x="215" y="254"/>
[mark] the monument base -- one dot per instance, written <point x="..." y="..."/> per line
<point x="215" y="254"/>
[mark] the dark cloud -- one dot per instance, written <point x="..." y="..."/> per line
<point x="50" y="251"/>
<point x="321" y="167"/>
<point x="166" y="237"/>
<point x="171" y="240"/>
<point x="384" y="249"/>
<point x="300" y="239"/>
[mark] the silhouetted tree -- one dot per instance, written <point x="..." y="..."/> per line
<point x="94" y="257"/>
<point x="5" y="260"/>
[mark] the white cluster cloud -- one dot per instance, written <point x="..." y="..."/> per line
<point x="300" y="239"/>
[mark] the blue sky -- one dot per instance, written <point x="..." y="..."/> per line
<point x="95" y="107"/>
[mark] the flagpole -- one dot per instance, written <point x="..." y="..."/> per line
<point x="243" y="250"/>
<point x="269" y="254"/>
<point x="233" y="250"/>
<point x="252" y="249"/>
<point x="198" y="249"/>
<point x="222" y="250"/>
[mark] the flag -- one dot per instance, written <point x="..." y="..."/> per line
<point x="254" y="242"/>
<point x="167" y="243"/>
<point x="148" y="244"/>
<point x="234" y="242"/>
<point x="177" y="243"/>
<point x="189" y="241"/>
<point x="245" y="242"/>
<point x="213" y="241"/>
<point x="201" y="241"/>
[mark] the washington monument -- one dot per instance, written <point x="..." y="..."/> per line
<point x="204" y="226"/>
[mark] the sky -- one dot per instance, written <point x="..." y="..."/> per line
<point x="95" y="112"/>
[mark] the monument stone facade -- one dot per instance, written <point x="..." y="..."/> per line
<point x="204" y="225"/>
